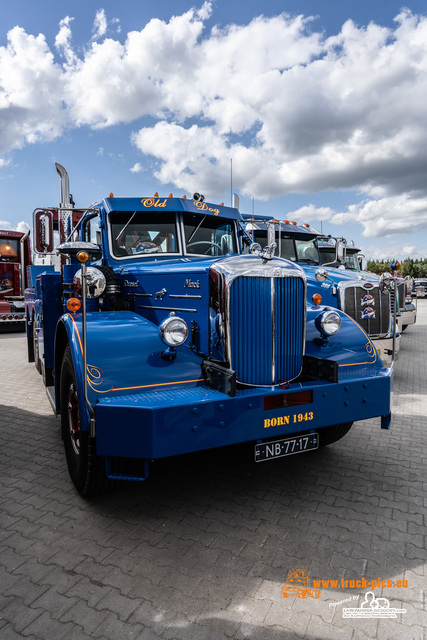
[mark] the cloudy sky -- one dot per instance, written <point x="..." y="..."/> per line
<point x="319" y="106"/>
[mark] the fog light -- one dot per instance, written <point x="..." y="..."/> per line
<point x="174" y="331"/>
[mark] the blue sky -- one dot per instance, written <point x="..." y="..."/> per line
<point x="319" y="104"/>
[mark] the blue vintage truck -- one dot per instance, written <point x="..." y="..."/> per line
<point x="158" y="337"/>
<point x="406" y="311"/>
<point x="363" y="296"/>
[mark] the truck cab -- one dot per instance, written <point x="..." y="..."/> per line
<point x="159" y="337"/>
<point x="15" y="256"/>
<point x="406" y="311"/>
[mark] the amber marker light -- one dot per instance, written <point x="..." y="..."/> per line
<point x="185" y="197"/>
<point x="82" y="256"/>
<point x="111" y="195"/>
<point x="317" y="298"/>
<point x="171" y="195"/>
<point x="293" y="222"/>
<point x="73" y="304"/>
<point x="156" y="195"/>
<point x="286" y="221"/>
<point x="306" y="225"/>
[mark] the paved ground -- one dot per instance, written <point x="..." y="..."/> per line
<point x="201" y="551"/>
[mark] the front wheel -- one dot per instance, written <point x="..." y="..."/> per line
<point x="86" y="469"/>
<point x="328" y="435"/>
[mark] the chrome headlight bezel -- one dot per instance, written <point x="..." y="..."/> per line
<point x="328" y="323"/>
<point x="174" y="331"/>
<point x="95" y="282"/>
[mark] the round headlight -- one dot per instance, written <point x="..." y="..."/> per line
<point x="328" y="323"/>
<point x="174" y="331"/>
<point x="95" y="282"/>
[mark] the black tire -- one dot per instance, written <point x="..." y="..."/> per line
<point x="329" y="435"/>
<point x="36" y="353"/>
<point x="86" y="469"/>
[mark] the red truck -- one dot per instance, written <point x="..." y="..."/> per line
<point x="15" y="256"/>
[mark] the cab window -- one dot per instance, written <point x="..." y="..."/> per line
<point x="307" y="251"/>
<point x="92" y="231"/>
<point x="209" y="235"/>
<point x="143" y="233"/>
<point x="9" y="249"/>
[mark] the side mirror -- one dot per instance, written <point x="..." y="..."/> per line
<point x="321" y="275"/>
<point x="340" y="250"/>
<point x="271" y="233"/>
<point x="43" y="231"/>
<point x="386" y="282"/>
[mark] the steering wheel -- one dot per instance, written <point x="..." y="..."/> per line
<point x="209" y="242"/>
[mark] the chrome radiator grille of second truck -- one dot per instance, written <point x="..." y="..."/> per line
<point x="377" y="326"/>
<point x="267" y="325"/>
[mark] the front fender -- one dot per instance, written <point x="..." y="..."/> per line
<point x="124" y="356"/>
<point x="350" y="347"/>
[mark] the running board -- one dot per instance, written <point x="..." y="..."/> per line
<point x="50" y="391"/>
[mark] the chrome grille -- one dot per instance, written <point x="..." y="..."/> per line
<point x="262" y="319"/>
<point x="352" y="296"/>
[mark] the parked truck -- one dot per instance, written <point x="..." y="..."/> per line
<point x="352" y="260"/>
<point x="364" y="297"/>
<point x="159" y="338"/>
<point x="15" y="256"/>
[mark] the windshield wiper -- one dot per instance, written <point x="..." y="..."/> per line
<point x="126" y="225"/>
<point x="196" y="230"/>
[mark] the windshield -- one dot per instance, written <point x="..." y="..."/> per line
<point x="307" y="251"/>
<point x="327" y="256"/>
<point x="208" y="235"/>
<point x="352" y="262"/>
<point x="143" y="233"/>
<point x="9" y="249"/>
<point x="291" y="248"/>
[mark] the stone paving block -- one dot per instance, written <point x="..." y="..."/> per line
<point x="19" y="615"/>
<point x="112" y="628"/>
<point x="53" y="602"/>
<point x="84" y="616"/>
<point x="8" y="633"/>
<point x="25" y="590"/>
<point x="46" y="628"/>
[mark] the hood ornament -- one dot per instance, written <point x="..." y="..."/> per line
<point x="265" y="254"/>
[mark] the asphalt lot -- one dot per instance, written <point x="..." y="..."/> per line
<point x="203" y="548"/>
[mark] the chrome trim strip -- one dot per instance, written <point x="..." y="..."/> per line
<point x="142" y="295"/>
<point x="185" y="296"/>
<point x="273" y="329"/>
<point x="141" y="306"/>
